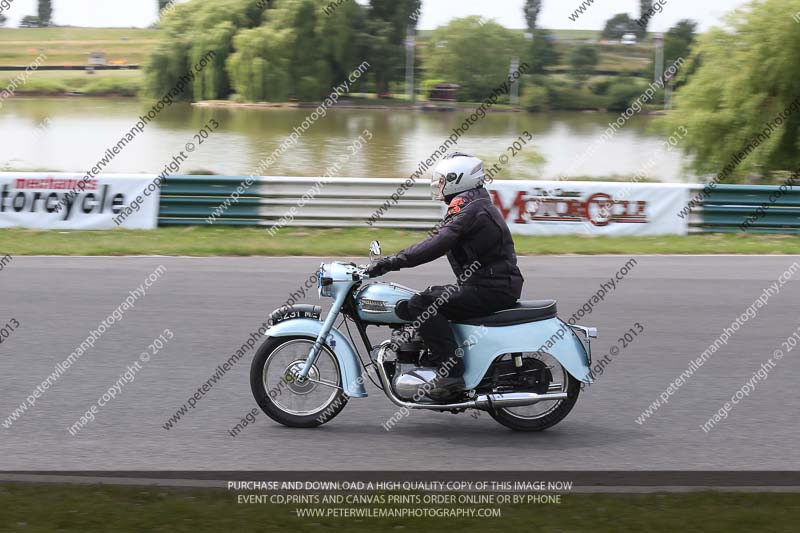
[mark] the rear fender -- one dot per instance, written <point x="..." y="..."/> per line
<point x="482" y="345"/>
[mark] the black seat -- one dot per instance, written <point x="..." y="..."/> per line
<point x="523" y="312"/>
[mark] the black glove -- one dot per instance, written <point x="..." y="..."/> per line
<point x="380" y="267"/>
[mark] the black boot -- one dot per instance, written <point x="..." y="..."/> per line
<point x="428" y="360"/>
<point x="449" y="383"/>
<point x="447" y="380"/>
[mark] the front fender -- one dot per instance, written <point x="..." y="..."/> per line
<point x="346" y="356"/>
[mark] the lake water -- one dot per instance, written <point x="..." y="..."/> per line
<point x="71" y="134"/>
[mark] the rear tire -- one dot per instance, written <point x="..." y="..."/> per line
<point x="271" y="404"/>
<point x="518" y="423"/>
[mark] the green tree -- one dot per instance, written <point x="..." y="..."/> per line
<point x="276" y="50"/>
<point x="399" y="13"/>
<point x="259" y="68"/>
<point x="747" y="73"/>
<point x="45" y="12"/>
<point x="192" y="30"/>
<point x="474" y="55"/>
<point x="29" y="21"/>
<point x="619" y="25"/>
<point x="388" y="26"/>
<point x="623" y="91"/>
<point x="343" y="40"/>
<point x="644" y="9"/>
<point x="679" y="40"/>
<point x="385" y="57"/>
<point x="532" y="9"/>
<point x="543" y="52"/>
<point x="162" y="4"/>
<point x="307" y="69"/>
<point x="583" y="60"/>
<point x="2" y="19"/>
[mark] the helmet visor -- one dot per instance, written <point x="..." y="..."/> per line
<point x="437" y="186"/>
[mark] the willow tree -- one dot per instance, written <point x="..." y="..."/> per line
<point x="747" y="76"/>
<point x="277" y="50"/>
<point x="259" y="68"/>
<point x="213" y="80"/>
<point x="196" y="30"/>
<point x="284" y="57"/>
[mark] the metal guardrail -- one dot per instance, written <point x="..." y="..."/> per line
<point x="339" y="202"/>
<point x="350" y="202"/>
<point x="729" y="206"/>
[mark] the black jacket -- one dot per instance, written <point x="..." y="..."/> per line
<point x="473" y="230"/>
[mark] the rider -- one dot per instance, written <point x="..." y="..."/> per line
<point x="478" y="245"/>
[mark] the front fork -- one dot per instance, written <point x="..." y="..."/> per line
<point x="323" y="334"/>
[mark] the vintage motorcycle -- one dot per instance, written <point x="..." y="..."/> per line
<point x="523" y="365"/>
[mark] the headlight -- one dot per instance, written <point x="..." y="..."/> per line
<point x="324" y="283"/>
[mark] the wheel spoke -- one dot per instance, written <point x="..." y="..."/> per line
<point x="311" y="395"/>
<point x="324" y="382"/>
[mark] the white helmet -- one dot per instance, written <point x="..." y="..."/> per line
<point x="456" y="173"/>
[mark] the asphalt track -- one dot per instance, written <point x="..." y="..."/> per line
<point x="212" y="304"/>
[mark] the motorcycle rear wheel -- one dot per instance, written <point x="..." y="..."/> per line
<point x="548" y="413"/>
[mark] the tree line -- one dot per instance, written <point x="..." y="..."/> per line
<point x="737" y="94"/>
<point x="279" y="50"/>
<point x="42" y="19"/>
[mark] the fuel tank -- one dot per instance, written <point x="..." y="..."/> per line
<point x="375" y="303"/>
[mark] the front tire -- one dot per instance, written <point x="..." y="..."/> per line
<point x="301" y="405"/>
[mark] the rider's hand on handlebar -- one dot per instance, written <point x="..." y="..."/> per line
<point x="379" y="268"/>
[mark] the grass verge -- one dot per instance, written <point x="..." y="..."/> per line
<point x="218" y="241"/>
<point x="60" y="82"/>
<point x="72" y="46"/>
<point x="36" y="508"/>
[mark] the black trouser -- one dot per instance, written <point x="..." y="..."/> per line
<point x="434" y="308"/>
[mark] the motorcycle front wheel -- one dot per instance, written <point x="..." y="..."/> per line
<point x="542" y="415"/>
<point x="310" y="403"/>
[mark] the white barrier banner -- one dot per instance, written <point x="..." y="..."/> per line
<point x="591" y="208"/>
<point x="67" y="201"/>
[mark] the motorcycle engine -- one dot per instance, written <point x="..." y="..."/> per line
<point x="410" y="379"/>
<point x="407" y="347"/>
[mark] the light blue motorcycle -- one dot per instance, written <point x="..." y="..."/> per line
<point x="523" y="365"/>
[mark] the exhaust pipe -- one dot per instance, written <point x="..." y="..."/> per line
<point x="515" y="399"/>
<point x="483" y="402"/>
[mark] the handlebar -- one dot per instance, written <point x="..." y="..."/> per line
<point x="361" y="270"/>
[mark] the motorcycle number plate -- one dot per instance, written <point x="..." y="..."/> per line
<point x="294" y="314"/>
